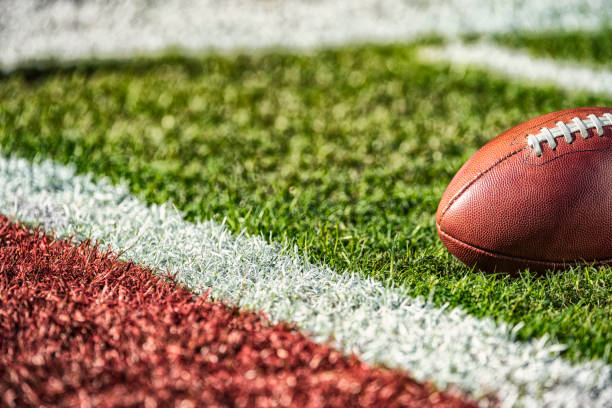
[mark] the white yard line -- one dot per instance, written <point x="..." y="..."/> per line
<point x="517" y="64"/>
<point x="382" y="325"/>
<point x="69" y="29"/>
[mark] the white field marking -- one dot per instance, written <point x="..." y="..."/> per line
<point x="518" y="64"/>
<point x="382" y="325"/>
<point x="70" y="29"/>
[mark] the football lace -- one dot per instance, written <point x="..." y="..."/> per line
<point x="566" y="129"/>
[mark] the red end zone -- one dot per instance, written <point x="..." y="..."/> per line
<point x="79" y="328"/>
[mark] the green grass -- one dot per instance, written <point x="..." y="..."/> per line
<point x="343" y="152"/>
<point x="583" y="47"/>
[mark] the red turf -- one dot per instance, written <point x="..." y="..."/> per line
<point x="79" y="328"/>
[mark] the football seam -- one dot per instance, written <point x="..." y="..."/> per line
<point x="559" y="114"/>
<point x="593" y="123"/>
<point x="528" y="163"/>
<point x="519" y="259"/>
<point x="476" y="178"/>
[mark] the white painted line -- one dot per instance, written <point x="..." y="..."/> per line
<point x="517" y="64"/>
<point x="69" y="29"/>
<point x="382" y="325"/>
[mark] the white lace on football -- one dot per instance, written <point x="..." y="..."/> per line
<point x="549" y="135"/>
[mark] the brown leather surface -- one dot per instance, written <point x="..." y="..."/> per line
<point x="507" y="209"/>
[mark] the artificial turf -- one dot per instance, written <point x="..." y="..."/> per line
<point x="343" y="152"/>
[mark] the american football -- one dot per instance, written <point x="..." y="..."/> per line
<point x="538" y="196"/>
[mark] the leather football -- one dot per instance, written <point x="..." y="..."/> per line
<point x="538" y="196"/>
